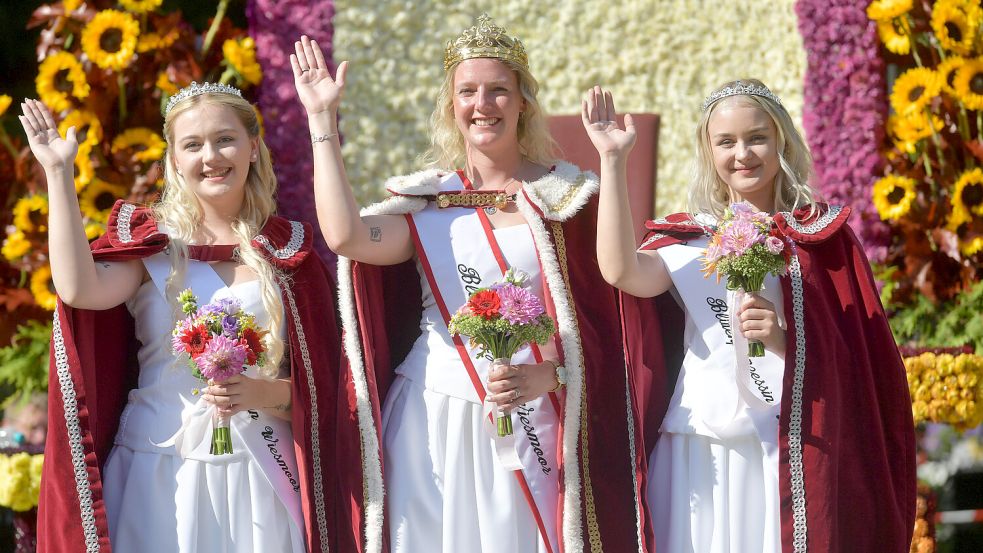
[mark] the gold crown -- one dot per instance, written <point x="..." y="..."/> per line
<point x="485" y="40"/>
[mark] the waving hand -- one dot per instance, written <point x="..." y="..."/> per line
<point x="601" y="122"/>
<point x="317" y="90"/>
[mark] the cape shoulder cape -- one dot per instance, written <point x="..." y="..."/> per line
<point x="93" y="366"/>
<point x="847" y="463"/>
<point x="602" y="470"/>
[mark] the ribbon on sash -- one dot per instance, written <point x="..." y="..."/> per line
<point x="760" y="385"/>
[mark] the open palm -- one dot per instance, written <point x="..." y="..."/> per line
<point x="315" y="87"/>
<point x="51" y="150"/>
<point x="601" y="122"/>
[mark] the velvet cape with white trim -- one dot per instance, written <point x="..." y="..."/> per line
<point x="94" y="365"/>
<point x="857" y="440"/>
<point x="381" y="306"/>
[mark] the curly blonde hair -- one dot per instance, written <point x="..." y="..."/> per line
<point x="710" y="194"/>
<point x="447" y="147"/>
<point x="180" y="212"/>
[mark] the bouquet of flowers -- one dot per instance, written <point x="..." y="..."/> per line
<point x="499" y="320"/>
<point x="221" y="340"/>
<point x="744" y="248"/>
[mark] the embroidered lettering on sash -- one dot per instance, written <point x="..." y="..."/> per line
<point x="271" y="443"/>
<point x="760" y="383"/>
<point x="719" y="309"/>
<point x="470" y="278"/>
<point x="530" y="430"/>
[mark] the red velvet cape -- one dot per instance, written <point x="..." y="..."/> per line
<point x="93" y="366"/>
<point x="857" y="434"/>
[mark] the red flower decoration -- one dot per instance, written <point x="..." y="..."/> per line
<point x="195" y="339"/>
<point x="254" y="344"/>
<point x="485" y="303"/>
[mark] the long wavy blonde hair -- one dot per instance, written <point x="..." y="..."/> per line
<point x="448" y="149"/>
<point x="180" y="211"/>
<point x="710" y="194"/>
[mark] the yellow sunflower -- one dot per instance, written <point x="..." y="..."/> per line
<point x="165" y="84"/>
<point x="952" y="22"/>
<point x="61" y="75"/>
<point x="31" y="213"/>
<point x="971" y="246"/>
<point x="895" y="33"/>
<point x="967" y="194"/>
<point x="907" y="130"/>
<point x="140" y="6"/>
<point x="88" y="129"/>
<point x="83" y="169"/>
<point x="71" y="5"/>
<point x="241" y="56"/>
<point x="43" y="288"/>
<point x="110" y="39"/>
<point x="16" y="246"/>
<point x="914" y="89"/>
<point x="94" y="230"/>
<point x="147" y="145"/>
<point x="968" y="84"/>
<point x="881" y="10"/>
<point x="154" y="41"/>
<point x="893" y="196"/>
<point x="947" y="73"/>
<point x="4" y="103"/>
<point x="98" y="198"/>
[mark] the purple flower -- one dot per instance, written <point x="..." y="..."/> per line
<point x="222" y="358"/>
<point x="518" y="305"/>
<point x="774" y="245"/>
<point x="738" y="236"/>
<point x="230" y="326"/>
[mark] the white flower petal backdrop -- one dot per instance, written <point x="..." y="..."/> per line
<point x="659" y="56"/>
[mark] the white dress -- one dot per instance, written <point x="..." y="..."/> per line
<point x="446" y="490"/>
<point x="159" y="501"/>
<point x="713" y="476"/>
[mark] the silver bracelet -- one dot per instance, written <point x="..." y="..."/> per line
<point x="322" y="138"/>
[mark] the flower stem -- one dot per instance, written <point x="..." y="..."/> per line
<point x="216" y="22"/>
<point x="121" y="82"/>
<point x="227" y="75"/>
<point x="5" y="139"/>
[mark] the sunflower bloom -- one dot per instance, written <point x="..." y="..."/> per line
<point x="971" y="246"/>
<point x="155" y="41"/>
<point x="881" y="10"/>
<point x="914" y="89"/>
<point x="88" y="129"/>
<point x="165" y="84"/>
<point x="955" y="23"/>
<point x="893" y="196"/>
<point x="967" y="198"/>
<point x="907" y="130"/>
<point x="4" y="103"/>
<point x="947" y="73"/>
<point x="147" y="145"/>
<point x="71" y="5"/>
<point x="83" y="170"/>
<point x="43" y="288"/>
<point x="59" y="76"/>
<point x="140" y="6"/>
<point x="16" y="246"/>
<point x="895" y="33"/>
<point x="110" y="39"/>
<point x="240" y="55"/>
<point x="968" y="84"/>
<point x="94" y="230"/>
<point x="98" y="198"/>
<point x="31" y="214"/>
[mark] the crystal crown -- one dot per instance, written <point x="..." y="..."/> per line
<point x="740" y="89"/>
<point x="195" y="89"/>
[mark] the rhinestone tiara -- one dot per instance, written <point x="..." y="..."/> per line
<point x="195" y="89"/>
<point x="741" y="89"/>
<point x="485" y="40"/>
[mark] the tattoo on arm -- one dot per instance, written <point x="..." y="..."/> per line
<point x="283" y="406"/>
<point x="375" y="234"/>
<point x="104" y="264"/>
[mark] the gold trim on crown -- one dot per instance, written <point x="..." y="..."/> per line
<point x="485" y="40"/>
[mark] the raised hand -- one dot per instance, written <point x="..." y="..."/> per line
<point x="601" y="122"/>
<point x="317" y="90"/>
<point x="51" y="150"/>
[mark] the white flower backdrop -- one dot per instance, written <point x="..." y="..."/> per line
<point x="660" y="56"/>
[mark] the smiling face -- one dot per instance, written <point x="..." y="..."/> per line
<point x="212" y="151"/>
<point x="744" y="145"/>
<point x="487" y="104"/>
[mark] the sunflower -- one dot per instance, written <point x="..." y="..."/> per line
<point x="71" y="5"/>
<point x="61" y="75"/>
<point x="83" y="169"/>
<point x="907" y="130"/>
<point x="952" y="22"/>
<point x="154" y="41"/>
<point x="43" y="288"/>
<point x="4" y="103"/>
<point x="967" y="195"/>
<point x="94" y="230"/>
<point x="147" y="145"/>
<point x="110" y="39"/>
<point x="240" y="55"/>
<point x="16" y="246"/>
<point x="31" y="213"/>
<point x="98" y="198"/>
<point x="164" y="83"/>
<point x="88" y="129"/>
<point x="971" y="246"/>
<point x="893" y="196"/>
<point x="895" y="33"/>
<point x="140" y="6"/>
<point x="914" y="89"/>
<point x="968" y="83"/>
<point x="947" y="73"/>
<point x="881" y="10"/>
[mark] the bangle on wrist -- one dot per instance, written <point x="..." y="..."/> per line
<point x="322" y="138"/>
<point x="561" y="374"/>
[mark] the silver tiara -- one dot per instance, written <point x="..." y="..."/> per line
<point x="741" y="89"/>
<point x="195" y="89"/>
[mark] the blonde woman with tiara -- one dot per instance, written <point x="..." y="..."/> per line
<point x="808" y="448"/>
<point x="492" y="198"/>
<point x="127" y="460"/>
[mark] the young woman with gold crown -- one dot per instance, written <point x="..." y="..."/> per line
<point x="568" y="480"/>
<point x="128" y="462"/>
<point x="808" y="447"/>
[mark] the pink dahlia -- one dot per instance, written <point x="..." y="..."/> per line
<point x="222" y="358"/>
<point x="519" y="306"/>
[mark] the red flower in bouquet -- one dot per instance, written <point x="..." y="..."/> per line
<point x="195" y="338"/>
<point x="485" y="304"/>
<point x="253" y="341"/>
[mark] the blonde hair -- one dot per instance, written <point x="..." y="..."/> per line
<point x="179" y="210"/>
<point x="710" y="194"/>
<point x="448" y="149"/>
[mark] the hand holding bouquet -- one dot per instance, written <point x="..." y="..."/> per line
<point x="221" y="340"/>
<point x="501" y="319"/>
<point x="744" y="248"/>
